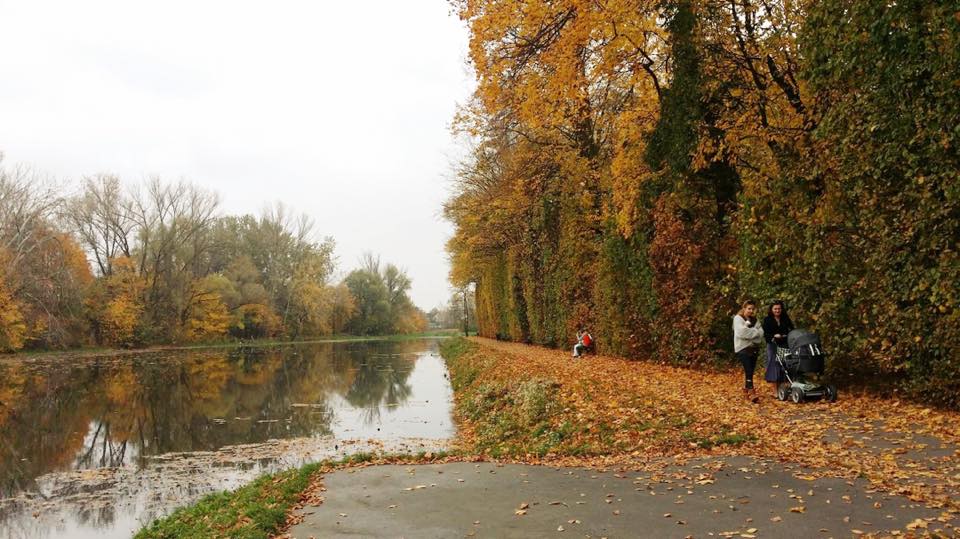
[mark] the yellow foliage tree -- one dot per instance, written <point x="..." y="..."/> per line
<point x="13" y="329"/>
<point x="117" y="305"/>
<point x="206" y="316"/>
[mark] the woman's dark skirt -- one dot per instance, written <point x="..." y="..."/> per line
<point x="774" y="370"/>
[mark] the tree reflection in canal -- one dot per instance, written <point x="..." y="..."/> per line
<point x="68" y="414"/>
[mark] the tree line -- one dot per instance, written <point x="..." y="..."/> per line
<point x="157" y="262"/>
<point x="640" y="167"/>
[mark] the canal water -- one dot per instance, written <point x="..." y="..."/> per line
<point x="100" y="446"/>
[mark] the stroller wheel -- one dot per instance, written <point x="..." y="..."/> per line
<point x="783" y="391"/>
<point x="796" y="395"/>
<point x="831" y="393"/>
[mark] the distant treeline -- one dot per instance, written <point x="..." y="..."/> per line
<point x="157" y="263"/>
<point x="642" y="167"/>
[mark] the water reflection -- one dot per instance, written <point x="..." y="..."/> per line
<point x="118" y="419"/>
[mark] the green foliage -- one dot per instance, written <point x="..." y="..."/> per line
<point x="169" y="268"/>
<point x="373" y="316"/>
<point x="674" y="138"/>
<point x="382" y="306"/>
<point x="885" y="76"/>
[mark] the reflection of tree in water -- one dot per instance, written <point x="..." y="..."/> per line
<point x="112" y="412"/>
<point x="43" y="423"/>
<point x="382" y="370"/>
<point x="103" y="450"/>
<point x="118" y="411"/>
<point x="96" y="516"/>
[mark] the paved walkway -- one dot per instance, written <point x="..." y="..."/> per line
<point x="728" y="497"/>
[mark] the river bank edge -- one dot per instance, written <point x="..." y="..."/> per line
<point x="93" y="352"/>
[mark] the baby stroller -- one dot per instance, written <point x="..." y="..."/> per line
<point x="802" y="359"/>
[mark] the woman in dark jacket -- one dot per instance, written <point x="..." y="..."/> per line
<point x="776" y="326"/>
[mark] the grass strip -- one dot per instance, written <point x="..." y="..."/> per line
<point x="259" y="509"/>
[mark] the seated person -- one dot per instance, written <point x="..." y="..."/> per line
<point x="584" y="342"/>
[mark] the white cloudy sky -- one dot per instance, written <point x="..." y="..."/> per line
<point x="339" y="109"/>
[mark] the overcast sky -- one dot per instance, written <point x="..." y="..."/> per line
<point x="338" y="109"/>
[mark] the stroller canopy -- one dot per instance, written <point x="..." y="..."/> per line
<point x="801" y="337"/>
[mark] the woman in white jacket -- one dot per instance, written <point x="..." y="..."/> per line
<point x="747" y="338"/>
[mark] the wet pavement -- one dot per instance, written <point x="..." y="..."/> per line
<point x="723" y="497"/>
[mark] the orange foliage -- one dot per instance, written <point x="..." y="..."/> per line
<point x="681" y="263"/>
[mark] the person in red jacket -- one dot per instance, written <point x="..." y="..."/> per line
<point x="584" y="341"/>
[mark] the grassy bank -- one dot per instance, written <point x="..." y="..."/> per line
<point x="255" y="510"/>
<point x="259" y="509"/>
<point x="506" y="407"/>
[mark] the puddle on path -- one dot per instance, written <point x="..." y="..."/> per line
<point x="97" y="447"/>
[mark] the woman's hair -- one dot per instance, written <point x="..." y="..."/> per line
<point x="783" y="307"/>
<point x="783" y="310"/>
<point x="743" y="307"/>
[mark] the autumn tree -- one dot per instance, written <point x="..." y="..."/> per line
<point x="117" y="305"/>
<point x="102" y="218"/>
<point x="166" y="267"/>
<point x="44" y="271"/>
<point x="205" y="316"/>
<point x="343" y="308"/>
<point x="170" y="219"/>
<point x="12" y="327"/>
